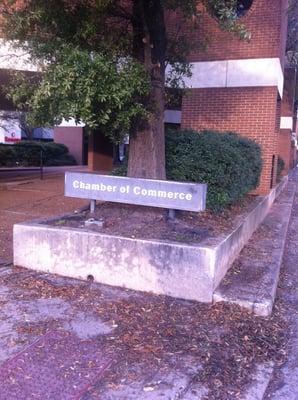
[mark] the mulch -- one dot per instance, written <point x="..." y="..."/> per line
<point x="153" y="223"/>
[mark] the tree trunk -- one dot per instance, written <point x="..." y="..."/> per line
<point x="147" y="144"/>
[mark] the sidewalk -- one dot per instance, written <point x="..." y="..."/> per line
<point x="12" y="176"/>
<point x="27" y="200"/>
<point x="284" y="382"/>
<point x="67" y="339"/>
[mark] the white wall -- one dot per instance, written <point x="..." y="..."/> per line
<point x="253" y="72"/>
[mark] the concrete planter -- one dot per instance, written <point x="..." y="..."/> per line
<point x="185" y="271"/>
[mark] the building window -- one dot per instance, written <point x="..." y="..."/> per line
<point x="238" y="8"/>
<point x="242" y="7"/>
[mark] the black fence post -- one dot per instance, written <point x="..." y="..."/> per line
<point x="41" y="165"/>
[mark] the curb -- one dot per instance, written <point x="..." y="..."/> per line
<point x="8" y="185"/>
<point x="175" y="263"/>
<point x="252" y="281"/>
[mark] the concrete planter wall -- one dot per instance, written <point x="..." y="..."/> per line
<point x="179" y="270"/>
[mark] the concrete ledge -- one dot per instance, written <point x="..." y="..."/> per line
<point x="180" y="270"/>
<point x="229" y="248"/>
<point x="253" y="280"/>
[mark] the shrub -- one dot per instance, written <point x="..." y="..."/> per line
<point x="229" y="164"/>
<point x="120" y="170"/>
<point x="7" y="156"/>
<point x="64" y="159"/>
<point x="28" y="153"/>
<point x="53" y="150"/>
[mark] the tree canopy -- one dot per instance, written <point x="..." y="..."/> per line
<point x="104" y="61"/>
<point x="292" y="42"/>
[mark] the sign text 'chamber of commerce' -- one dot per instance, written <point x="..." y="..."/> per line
<point x="148" y="192"/>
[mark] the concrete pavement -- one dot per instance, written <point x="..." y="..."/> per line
<point x="143" y="346"/>
<point x="284" y="381"/>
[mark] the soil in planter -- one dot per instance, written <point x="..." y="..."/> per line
<point x="153" y="223"/>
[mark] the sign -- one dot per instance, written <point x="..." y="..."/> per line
<point x="145" y="192"/>
<point x="11" y="139"/>
<point x="10" y="131"/>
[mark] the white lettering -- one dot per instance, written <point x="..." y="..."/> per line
<point x="152" y="193"/>
<point x="137" y="190"/>
<point x="161" y="193"/>
<point x="111" y="188"/>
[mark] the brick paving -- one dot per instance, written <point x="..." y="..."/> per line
<point x="27" y="201"/>
<point x="59" y="362"/>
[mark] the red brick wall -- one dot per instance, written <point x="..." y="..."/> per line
<point x="266" y="21"/>
<point x="278" y="115"/>
<point x="283" y="30"/>
<point x="72" y="137"/>
<point x="285" y="150"/>
<point x="251" y="112"/>
<point x="100" y="153"/>
<point x="285" y="147"/>
<point x="287" y="105"/>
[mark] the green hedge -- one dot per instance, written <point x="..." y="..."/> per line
<point x="7" y="156"/>
<point x="28" y="153"/>
<point x="229" y="164"/>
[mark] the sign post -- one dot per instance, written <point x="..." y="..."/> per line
<point x="92" y="206"/>
<point x="171" y="215"/>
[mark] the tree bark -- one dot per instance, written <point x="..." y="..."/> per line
<point x="147" y="143"/>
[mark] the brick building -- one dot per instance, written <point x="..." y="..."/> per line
<point x="244" y="86"/>
<point x="11" y="129"/>
<point x="239" y="86"/>
<point x="236" y="85"/>
<point x="287" y="135"/>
